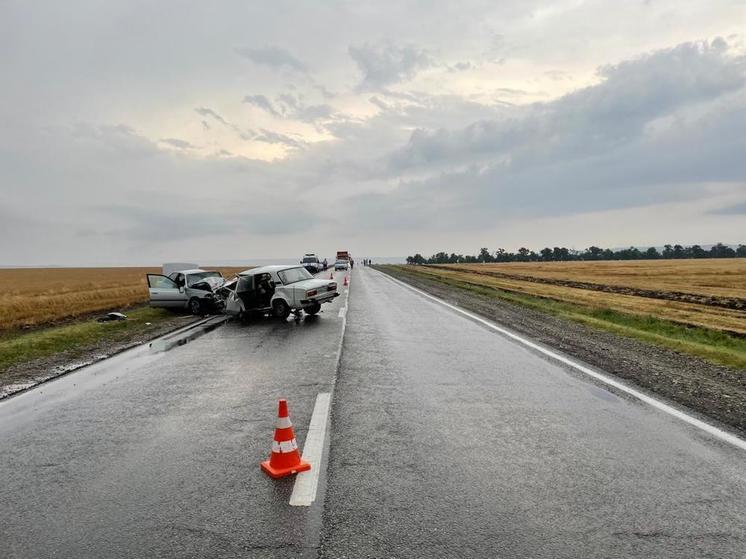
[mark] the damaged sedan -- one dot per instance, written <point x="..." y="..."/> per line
<point x="276" y="290"/>
<point x="193" y="290"/>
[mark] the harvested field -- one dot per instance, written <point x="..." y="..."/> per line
<point x="41" y="296"/>
<point x="706" y="293"/>
<point x="709" y="279"/>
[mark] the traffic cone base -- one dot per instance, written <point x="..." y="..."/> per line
<point x="277" y="473"/>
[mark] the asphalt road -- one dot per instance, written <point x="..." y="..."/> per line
<point x="446" y="440"/>
<point x="449" y="440"/>
<point x="157" y="454"/>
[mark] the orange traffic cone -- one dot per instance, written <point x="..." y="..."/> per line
<point x="285" y="458"/>
<point x="346" y="282"/>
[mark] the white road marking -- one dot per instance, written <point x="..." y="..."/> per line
<point x="306" y="483"/>
<point x="691" y="420"/>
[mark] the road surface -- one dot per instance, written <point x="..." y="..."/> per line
<point x="446" y="440"/>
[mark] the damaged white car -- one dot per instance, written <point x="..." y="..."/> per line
<point x="278" y="290"/>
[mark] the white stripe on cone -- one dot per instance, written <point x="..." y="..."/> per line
<point x="284" y="446"/>
<point x="283" y="423"/>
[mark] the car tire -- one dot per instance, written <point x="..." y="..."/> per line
<point x="313" y="309"/>
<point x="195" y="306"/>
<point x="280" y="309"/>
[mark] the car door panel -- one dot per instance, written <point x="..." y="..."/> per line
<point x="164" y="292"/>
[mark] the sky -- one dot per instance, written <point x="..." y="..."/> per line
<point x="140" y="132"/>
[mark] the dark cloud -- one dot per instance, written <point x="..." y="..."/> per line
<point x="656" y="128"/>
<point x="274" y="57"/>
<point x="177" y="143"/>
<point x="271" y="137"/>
<point x="262" y="102"/>
<point x="206" y="111"/>
<point x="290" y="106"/>
<point x="382" y="66"/>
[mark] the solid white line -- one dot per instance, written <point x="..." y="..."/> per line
<point x="710" y="429"/>
<point x="306" y="483"/>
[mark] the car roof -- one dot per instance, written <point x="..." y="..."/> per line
<point x="266" y="269"/>
<point x="194" y="271"/>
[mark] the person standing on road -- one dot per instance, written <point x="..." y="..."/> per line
<point x="352" y="263"/>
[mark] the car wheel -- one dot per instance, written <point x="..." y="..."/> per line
<point x="313" y="309"/>
<point x="280" y="309"/>
<point x="195" y="306"/>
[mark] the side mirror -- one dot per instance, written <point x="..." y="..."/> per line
<point x="181" y="289"/>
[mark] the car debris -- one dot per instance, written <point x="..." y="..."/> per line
<point x="112" y="316"/>
<point x="276" y="290"/>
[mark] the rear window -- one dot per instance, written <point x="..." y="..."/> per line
<point x="293" y="275"/>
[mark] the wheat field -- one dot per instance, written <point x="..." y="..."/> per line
<point x="724" y="280"/>
<point x="39" y="296"/>
<point x="723" y="277"/>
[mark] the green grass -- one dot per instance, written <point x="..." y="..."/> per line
<point x="714" y="346"/>
<point x="74" y="339"/>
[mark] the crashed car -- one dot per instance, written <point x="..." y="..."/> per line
<point x="193" y="290"/>
<point x="276" y="290"/>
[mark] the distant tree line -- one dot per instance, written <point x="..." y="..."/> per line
<point x="562" y="254"/>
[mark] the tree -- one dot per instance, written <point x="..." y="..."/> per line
<point x="546" y="254"/>
<point x="652" y="253"/>
<point x="741" y="251"/>
<point x="484" y="255"/>
<point x="722" y="251"/>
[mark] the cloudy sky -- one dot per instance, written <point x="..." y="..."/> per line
<point x="137" y="132"/>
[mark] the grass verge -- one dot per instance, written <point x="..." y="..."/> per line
<point x="716" y="347"/>
<point x="74" y="339"/>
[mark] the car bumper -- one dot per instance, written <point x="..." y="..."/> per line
<point x="323" y="298"/>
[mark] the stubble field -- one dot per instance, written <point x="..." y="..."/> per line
<point x="709" y="293"/>
<point x="42" y="296"/>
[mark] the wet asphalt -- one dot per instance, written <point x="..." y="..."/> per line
<point x="157" y="454"/>
<point x="447" y="440"/>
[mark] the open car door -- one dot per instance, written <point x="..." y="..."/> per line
<point x="164" y="292"/>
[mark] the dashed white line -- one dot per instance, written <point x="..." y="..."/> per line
<point x="691" y="420"/>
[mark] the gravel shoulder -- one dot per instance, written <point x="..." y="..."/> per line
<point x="715" y="391"/>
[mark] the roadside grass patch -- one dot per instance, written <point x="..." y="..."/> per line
<point x="18" y="346"/>
<point x="712" y="345"/>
